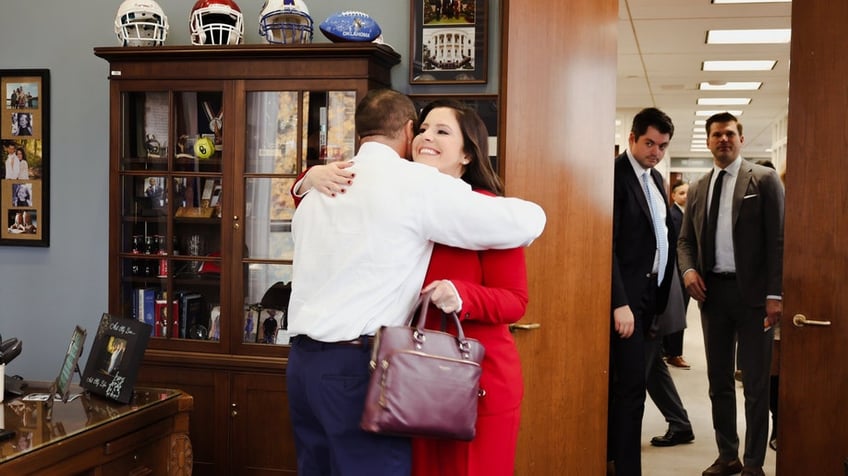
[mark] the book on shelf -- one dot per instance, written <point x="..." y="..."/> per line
<point x="193" y="319"/>
<point x="166" y="322"/>
<point x="144" y="306"/>
<point x="215" y="199"/>
<point x="208" y="185"/>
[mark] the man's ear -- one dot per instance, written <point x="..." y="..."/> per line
<point x="410" y="130"/>
<point x="409" y="134"/>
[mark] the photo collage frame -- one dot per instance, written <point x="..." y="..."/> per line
<point x="24" y="175"/>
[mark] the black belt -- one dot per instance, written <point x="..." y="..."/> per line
<point x="361" y="341"/>
<point x="727" y="276"/>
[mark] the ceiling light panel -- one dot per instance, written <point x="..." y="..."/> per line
<point x="749" y="37"/>
<point x="730" y="85"/>
<point x="718" y="2"/>
<point x="724" y="101"/>
<point x="739" y="65"/>
<point x="710" y="113"/>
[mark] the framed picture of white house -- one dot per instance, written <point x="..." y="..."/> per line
<point x="448" y="42"/>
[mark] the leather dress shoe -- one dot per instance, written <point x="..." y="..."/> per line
<point x="752" y="471"/>
<point x="724" y="468"/>
<point x="678" y="362"/>
<point x="672" y="438"/>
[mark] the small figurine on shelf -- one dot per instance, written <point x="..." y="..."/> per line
<point x="216" y="121"/>
<point x="153" y="147"/>
<point x="182" y="144"/>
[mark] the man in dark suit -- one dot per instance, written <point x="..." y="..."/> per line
<point x="730" y="252"/>
<point x="673" y="343"/>
<point x="660" y="385"/>
<point x="641" y="277"/>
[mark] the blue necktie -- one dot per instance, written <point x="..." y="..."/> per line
<point x="662" y="239"/>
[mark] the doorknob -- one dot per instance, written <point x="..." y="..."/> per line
<point x="801" y="320"/>
<point x="524" y="327"/>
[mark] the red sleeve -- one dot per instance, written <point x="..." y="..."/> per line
<point x="291" y="190"/>
<point x="502" y="296"/>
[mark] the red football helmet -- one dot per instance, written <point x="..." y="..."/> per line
<point x="216" y="22"/>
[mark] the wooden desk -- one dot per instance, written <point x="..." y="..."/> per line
<point x="95" y="436"/>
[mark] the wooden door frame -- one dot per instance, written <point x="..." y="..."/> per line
<point x="557" y="136"/>
<point x="812" y="435"/>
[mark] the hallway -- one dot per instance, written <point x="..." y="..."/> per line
<point x="693" y="458"/>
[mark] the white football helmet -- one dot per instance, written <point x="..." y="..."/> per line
<point x="285" y="22"/>
<point x="141" y="23"/>
<point x="216" y="22"/>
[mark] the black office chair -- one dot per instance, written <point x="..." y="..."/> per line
<point x="9" y="349"/>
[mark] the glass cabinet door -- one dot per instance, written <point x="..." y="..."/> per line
<point x="171" y="183"/>
<point x="286" y="131"/>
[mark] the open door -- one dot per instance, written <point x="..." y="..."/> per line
<point x="813" y="406"/>
<point x="556" y="139"/>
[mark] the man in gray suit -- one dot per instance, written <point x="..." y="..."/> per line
<point x="730" y="252"/>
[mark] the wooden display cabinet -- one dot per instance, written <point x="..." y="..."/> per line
<point x="205" y="143"/>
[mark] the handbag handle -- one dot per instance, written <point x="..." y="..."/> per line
<point x="417" y="320"/>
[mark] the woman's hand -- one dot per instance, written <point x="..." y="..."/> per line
<point x="445" y="296"/>
<point x="328" y="179"/>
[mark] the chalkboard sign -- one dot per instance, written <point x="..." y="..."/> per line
<point x="115" y="356"/>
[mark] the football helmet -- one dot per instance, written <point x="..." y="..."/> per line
<point x="216" y="22"/>
<point x="141" y="23"/>
<point x="285" y="22"/>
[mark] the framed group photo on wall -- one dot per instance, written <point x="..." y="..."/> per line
<point x="486" y="106"/>
<point x="448" y="42"/>
<point x="25" y="136"/>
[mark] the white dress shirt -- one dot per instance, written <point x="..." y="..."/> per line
<point x="360" y="257"/>
<point x="724" y="262"/>
<point x="656" y="202"/>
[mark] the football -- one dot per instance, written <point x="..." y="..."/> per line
<point x="350" y="26"/>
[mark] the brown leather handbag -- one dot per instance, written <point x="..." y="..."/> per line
<point x="424" y="383"/>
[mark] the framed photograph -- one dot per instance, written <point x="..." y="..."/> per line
<point x="486" y="106"/>
<point x="115" y="357"/>
<point x="251" y="324"/>
<point x="25" y="173"/>
<point x="448" y="42"/>
<point x="62" y="385"/>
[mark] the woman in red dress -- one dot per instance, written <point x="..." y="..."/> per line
<point x="488" y="289"/>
